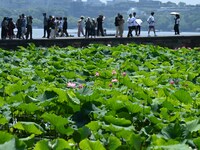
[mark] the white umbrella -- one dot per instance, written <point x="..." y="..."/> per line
<point x="174" y="13"/>
<point x="139" y="21"/>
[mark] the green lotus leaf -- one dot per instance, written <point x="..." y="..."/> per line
<point x="117" y="121"/>
<point x="59" y="144"/>
<point x="30" y="108"/>
<point x="72" y="96"/>
<point x="3" y="120"/>
<point x="42" y="145"/>
<point x="29" y="127"/>
<point x="58" y="122"/>
<point x="113" y="143"/>
<point x="183" y="96"/>
<point x="5" y="137"/>
<point x="149" y="82"/>
<point x="193" y="125"/>
<point x="9" y="145"/>
<point x="93" y="125"/>
<point x="173" y="147"/>
<point x="136" y="141"/>
<point x="29" y="141"/>
<point x="91" y="145"/>
<point x="197" y="142"/>
<point x="134" y="108"/>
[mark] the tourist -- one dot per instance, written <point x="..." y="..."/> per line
<point x="60" y="26"/>
<point x="19" y="27"/>
<point x="4" y="28"/>
<point x="93" y="28"/>
<point x="135" y="25"/>
<point x="130" y="22"/>
<point x="88" y="27"/>
<point x="65" y="27"/>
<point x="80" y="26"/>
<point x="23" y="26"/>
<point x="53" y="28"/>
<point x="100" y="21"/>
<point x="45" y="23"/>
<point x="29" y="28"/>
<point x="151" y="22"/>
<point x="49" y="24"/>
<point x="11" y="27"/>
<point x="139" y="24"/>
<point x="176" y="25"/>
<point x="117" y="20"/>
<point x="121" y="25"/>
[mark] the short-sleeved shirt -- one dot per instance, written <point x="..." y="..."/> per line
<point x="151" y="21"/>
<point x="130" y="22"/>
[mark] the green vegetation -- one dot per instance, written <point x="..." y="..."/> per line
<point x="99" y="97"/>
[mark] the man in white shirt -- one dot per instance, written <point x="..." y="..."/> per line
<point x="151" y="22"/>
<point x="130" y="22"/>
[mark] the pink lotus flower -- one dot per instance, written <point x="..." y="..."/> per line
<point x="114" y="72"/>
<point x="97" y="74"/>
<point x="171" y="82"/>
<point x="124" y="74"/>
<point x="110" y="85"/>
<point x="71" y="84"/>
<point x="80" y="86"/>
<point x="114" y="80"/>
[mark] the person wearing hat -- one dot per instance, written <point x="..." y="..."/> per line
<point x="176" y="25"/>
<point x="151" y="22"/>
<point x="29" y="27"/>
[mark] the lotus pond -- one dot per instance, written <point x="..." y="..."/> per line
<point x="127" y="97"/>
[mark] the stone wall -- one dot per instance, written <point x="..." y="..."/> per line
<point x="164" y="41"/>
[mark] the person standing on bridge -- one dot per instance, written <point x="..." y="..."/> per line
<point x="4" y="28"/>
<point x="121" y="26"/>
<point x="23" y="26"/>
<point x="151" y="22"/>
<point x="29" y="27"/>
<point x="100" y="20"/>
<point x="117" y="20"/>
<point x="45" y="24"/>
<point x="80" y="26"/>
<point x="65" y="27"/>
<point x="176" y="25"/>
<point x="130" y="25"/>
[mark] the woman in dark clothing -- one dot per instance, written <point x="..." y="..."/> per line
<point x="65" y="26"/>
<point x="4" y="28"/>
<point x="93" y="28"/>
<point x="88" y="27"/>
<point x="11" y="27"/>
<point x="29" y="27"/>
<point x="19" y="27"/>
<point x="100" y="25"/>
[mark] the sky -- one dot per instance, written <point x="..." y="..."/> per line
<point x="192" y="2"/>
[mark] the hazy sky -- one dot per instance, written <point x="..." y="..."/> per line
<point x="193" y="2"/>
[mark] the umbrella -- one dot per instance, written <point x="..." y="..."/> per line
<point x="174" y="13"/>
<point x="139" y="21"/>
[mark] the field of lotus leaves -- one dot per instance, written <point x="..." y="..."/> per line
<point x="126" y="97"/>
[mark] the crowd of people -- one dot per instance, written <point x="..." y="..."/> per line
<point x="55" y="26"/>
<point x="23" y="25"/>
<point x="87" y="27"/>
<point x="93" y="27"/>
